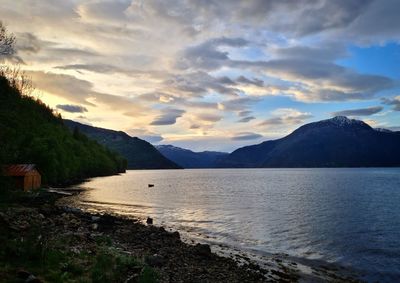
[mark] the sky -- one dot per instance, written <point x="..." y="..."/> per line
<point x="211" y="74"/>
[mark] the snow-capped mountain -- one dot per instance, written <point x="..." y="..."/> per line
<point x="335" y="142"/>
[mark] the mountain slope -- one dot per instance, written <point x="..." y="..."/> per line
<point x="139" y="153"/>
<point x="336" y="142"/>
<point x="190" y="159"/>
<point x="30" y="132"/>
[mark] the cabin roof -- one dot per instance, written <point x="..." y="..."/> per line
<point x="18" y="169"/>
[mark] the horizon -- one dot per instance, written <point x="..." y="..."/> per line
<point x="211" y="76"/>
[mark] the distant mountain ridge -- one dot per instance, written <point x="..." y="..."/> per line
<point x="138" y="153"/>
<point x="190" y="159"/>
<point x="335" y="142"/>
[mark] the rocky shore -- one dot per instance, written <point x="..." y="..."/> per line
<point x="45" y="242"/>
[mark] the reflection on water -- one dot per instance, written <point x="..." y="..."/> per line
<point x="345" y="216"/>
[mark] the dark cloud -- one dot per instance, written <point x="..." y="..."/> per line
<point x="244" y="113"/>
<point x="341" y="83"/>
<point x="226" y="81"/>
<point x="239" y="104"/>
<point x="151" y="138"/>
<point x="209" y="117"/>
<point x="30" y="43"/>
<point x="98" y="68"/>
<point x="323" y="16"/>
<point x="286" y="117"/>
<point x="72" y="108"/>
<point x="395" y="102"/>
<point x="246" y="119"/>
<point x="359" y="112"/>
<point x="207" y="55"/>
<point x="246" y="136"/>
<point x="198" y="84"/>
<point x="145" y="135"/>
<point x="327" y="52"/>
<point x="302" y="17"/>
<point x="168" y="117"/>
<point x="254" y="81"/>
<point x="378" y="24"/>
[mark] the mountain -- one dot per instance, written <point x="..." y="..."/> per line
<point x="335" y="142"/>
<point x="139" y="153"/>
<point x="30" y="132"/>
<point x="190" y="159"/>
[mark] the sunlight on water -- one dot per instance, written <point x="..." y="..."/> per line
<point x="345" y="216"/>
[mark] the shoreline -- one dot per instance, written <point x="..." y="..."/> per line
<point x="272" y="268"/>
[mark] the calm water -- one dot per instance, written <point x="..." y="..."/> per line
<point x="349" y="217"/>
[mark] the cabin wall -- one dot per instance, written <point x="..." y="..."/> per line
<point x="32" y="181"/>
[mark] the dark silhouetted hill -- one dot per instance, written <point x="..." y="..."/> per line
<point x="139" y="153"/>
<point x="336" y="142"/>
<point x="190" y="159"/>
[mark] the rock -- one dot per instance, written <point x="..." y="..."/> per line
<point x="94" y="226"/>
<point x="202" y="250"/>
<point x="155" y="260"/>
<point x="33" y="279"/>
<point x="23" y="274"/>
<point x="73" y="210"/>
<point x="75" y="222"/>
<point x="27" y="277"/>
<point x="176" y="235"/>
<point x="107" y="220"/>
<point x="95" y="218"/>
<point x="149" y="221"/>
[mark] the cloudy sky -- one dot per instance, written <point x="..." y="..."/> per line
<point x="211" y="74"/>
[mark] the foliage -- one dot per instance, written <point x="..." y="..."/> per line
<point x="139" y="153"/>
<point x="7" y="41"/>
<point x="30" y="132"/>
<point x="53" y="261"/>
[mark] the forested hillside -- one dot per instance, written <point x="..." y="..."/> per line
<point x="139" y="153"/>
<point x="30" y="132"/>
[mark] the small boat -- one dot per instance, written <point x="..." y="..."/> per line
<point x="150" y="185"/>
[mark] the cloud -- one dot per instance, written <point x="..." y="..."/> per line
<point x="168" y="117"/>
<point x="245" y="80"/>
<point x="146" y="135"/>
<point x="209" y="117"/>
<point x="66" y="86"/>
<point x="246" y="119"/>
<point x="286" y="116"/>
<point x="72" y="108"/>
<point x="395" y="102"/>
<point x="244" y="113"/>
<point x="30" y="43"/>
<point x="198" y="84"/>
<point x="238" y="104"/>
<point x="326" y="81"/>
<point x="359" y="112"/>
<point x="246" y="136"/>
<point x="82" y="92"/>
<point x="207" y="56"/>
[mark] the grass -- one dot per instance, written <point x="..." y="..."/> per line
<point x="51" y="259"/>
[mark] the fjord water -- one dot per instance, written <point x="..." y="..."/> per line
<point x="350" y="217"/>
